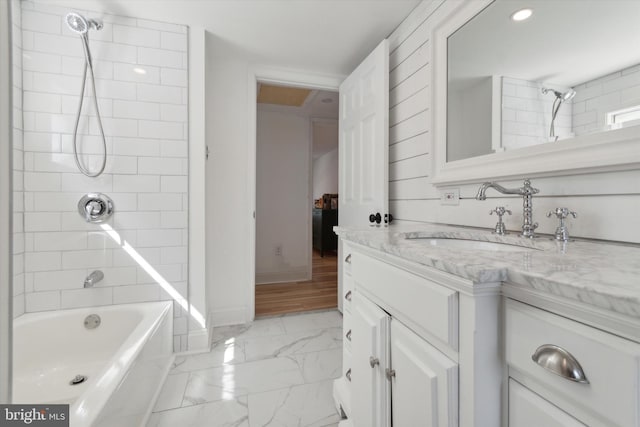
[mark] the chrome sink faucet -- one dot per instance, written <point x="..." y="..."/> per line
<point x="527" y="192"/>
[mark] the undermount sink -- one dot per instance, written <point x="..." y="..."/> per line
<point x="452" y="243"/>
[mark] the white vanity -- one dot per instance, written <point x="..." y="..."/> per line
<point x="448" y="326"/>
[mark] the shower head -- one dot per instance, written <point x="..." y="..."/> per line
<point x="78" y="24"/>
<point x="559" y="95"/>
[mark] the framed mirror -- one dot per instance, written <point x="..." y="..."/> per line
<point x="536" y="88"/>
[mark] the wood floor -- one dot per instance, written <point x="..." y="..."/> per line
<point x="321" y="292"/>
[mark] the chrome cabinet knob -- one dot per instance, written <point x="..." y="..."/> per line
<point x="348" y="374"/>
<point x="390" y="373"/>
<point x="348" y="335"/>
<point x="373" y="361"/>
<point x="347" y="296"/>
<point x="348" y="259"/>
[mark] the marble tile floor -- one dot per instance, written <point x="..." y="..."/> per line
<point x="276" y="371"/>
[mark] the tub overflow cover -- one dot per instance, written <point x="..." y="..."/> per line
<point x="92" y="321"/>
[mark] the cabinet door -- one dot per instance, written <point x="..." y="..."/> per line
<point x="424" y="389"/>
<point x="527" y="409"/>
<point x="370" y="398"/>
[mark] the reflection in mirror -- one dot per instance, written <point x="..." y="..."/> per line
<point x="571" y="69"/>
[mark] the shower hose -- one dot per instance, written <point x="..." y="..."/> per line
<point x="88" y="65"/>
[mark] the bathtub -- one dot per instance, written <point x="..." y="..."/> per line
<point x="125" y="360"/>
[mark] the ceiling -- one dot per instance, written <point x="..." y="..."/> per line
<point x="330" y="36"/>
<point x="282" y="95"/>
<point x="565" y="42"/>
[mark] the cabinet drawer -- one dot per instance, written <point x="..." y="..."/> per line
<point x="527" y="409"/>
<point x="429" y="309"/>
<point x="610" y="364"/>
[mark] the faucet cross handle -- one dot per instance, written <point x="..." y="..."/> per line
<point x="562" y="213"/>
<point x="500" y="228"/>
<point x="500" y="211"/>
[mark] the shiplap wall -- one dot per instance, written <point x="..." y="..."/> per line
<point x="607" y="203"/>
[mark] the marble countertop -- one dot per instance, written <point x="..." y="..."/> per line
<point x="600" y="274"/>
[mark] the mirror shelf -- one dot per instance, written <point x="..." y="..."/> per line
<point x="617" y="149"/>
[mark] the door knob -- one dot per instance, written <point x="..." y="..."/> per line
<point x="388" y="218"/>
<point x="373" y="361"/>
<point x="377" y="218"/>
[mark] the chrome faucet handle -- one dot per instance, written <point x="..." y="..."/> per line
<point x="562" y="233"/>
<point x="500" y="229"/>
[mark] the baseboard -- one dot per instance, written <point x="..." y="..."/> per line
<point x="227" y="316"/>
<point x="198" y="340"/>
<point x="294" y="275"/>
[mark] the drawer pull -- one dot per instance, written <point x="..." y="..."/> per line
<point x="348" y="335"/>
<point x="347" y="296"/>
<point x="348" y="374"/>
<point x="559" y="361"/>
<point x="348" y="259"/>
<point x="373" y="361"/>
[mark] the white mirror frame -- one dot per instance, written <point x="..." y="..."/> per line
<point x="607" y="151"/>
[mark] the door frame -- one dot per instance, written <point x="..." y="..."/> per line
<point x="6" y="202"/>
<point x="276" y="76"/>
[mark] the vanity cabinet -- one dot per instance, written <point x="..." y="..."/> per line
<point x="591" y="375"/>
<point x="404" y="354"/>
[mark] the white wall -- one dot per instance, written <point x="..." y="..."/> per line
<point x="469" y="126"/>
<point x="145" y="119"/>
<point x="325" y="174"/>
<point x="606" y="202"/>
<point x="283" y="202"/>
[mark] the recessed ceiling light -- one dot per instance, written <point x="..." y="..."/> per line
<point x="522" y="14"/>
<point x="140" y="70"/>
<point x="326" y="100"/>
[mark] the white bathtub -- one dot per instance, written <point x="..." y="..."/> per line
<point x="125" y="360"/>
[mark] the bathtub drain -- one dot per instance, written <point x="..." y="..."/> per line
<point x="79" y="379"/>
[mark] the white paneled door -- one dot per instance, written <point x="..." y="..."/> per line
<point x="364" y="140"/>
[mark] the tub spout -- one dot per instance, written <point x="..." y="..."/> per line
<point x="93" y="278"/>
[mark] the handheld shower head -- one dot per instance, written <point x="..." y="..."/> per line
<point x="77" y="23"/>
<point x="80" y="25"/>
<point x="566" y="96"/>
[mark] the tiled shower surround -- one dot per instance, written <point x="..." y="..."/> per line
<point x="141" y="77"/>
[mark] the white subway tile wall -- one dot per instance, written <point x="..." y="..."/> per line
<point x="18" y="161"/>
<point x="526" y="114"/>
<point x="596" y="98"/>
<point x="141" y="81"/>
